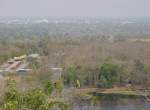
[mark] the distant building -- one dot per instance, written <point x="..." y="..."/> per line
<point x="11" y="61"/>
<point x="36" y="56"/>
<point x="14" y="65"/>
<point x="19" y="64"/>
<point x="21" y="71"/>
<point x="20" y="58"/>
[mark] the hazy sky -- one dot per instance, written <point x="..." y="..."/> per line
<point x="73" y="8"/>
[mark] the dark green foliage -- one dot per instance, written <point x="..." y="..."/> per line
<point x="71" y="75"/>
<point x="48" y="87"/>
<point x="108" y="74"/>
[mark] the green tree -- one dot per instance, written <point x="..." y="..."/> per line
<point x="34" y="99"/>
<point x="109" y="74"/>
<point x="48" y="87"/>
<point x="11" y="97"/>
<point x="71" y="75"/>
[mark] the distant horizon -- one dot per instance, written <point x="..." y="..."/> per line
<point x="72" y="17"/>
<point x="75" y="8"/>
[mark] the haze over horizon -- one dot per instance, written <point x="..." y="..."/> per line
<point x="74" y="8"/>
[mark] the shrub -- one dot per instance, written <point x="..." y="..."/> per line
<point x="71" y="75"/>
<point x="109" y="73"/>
